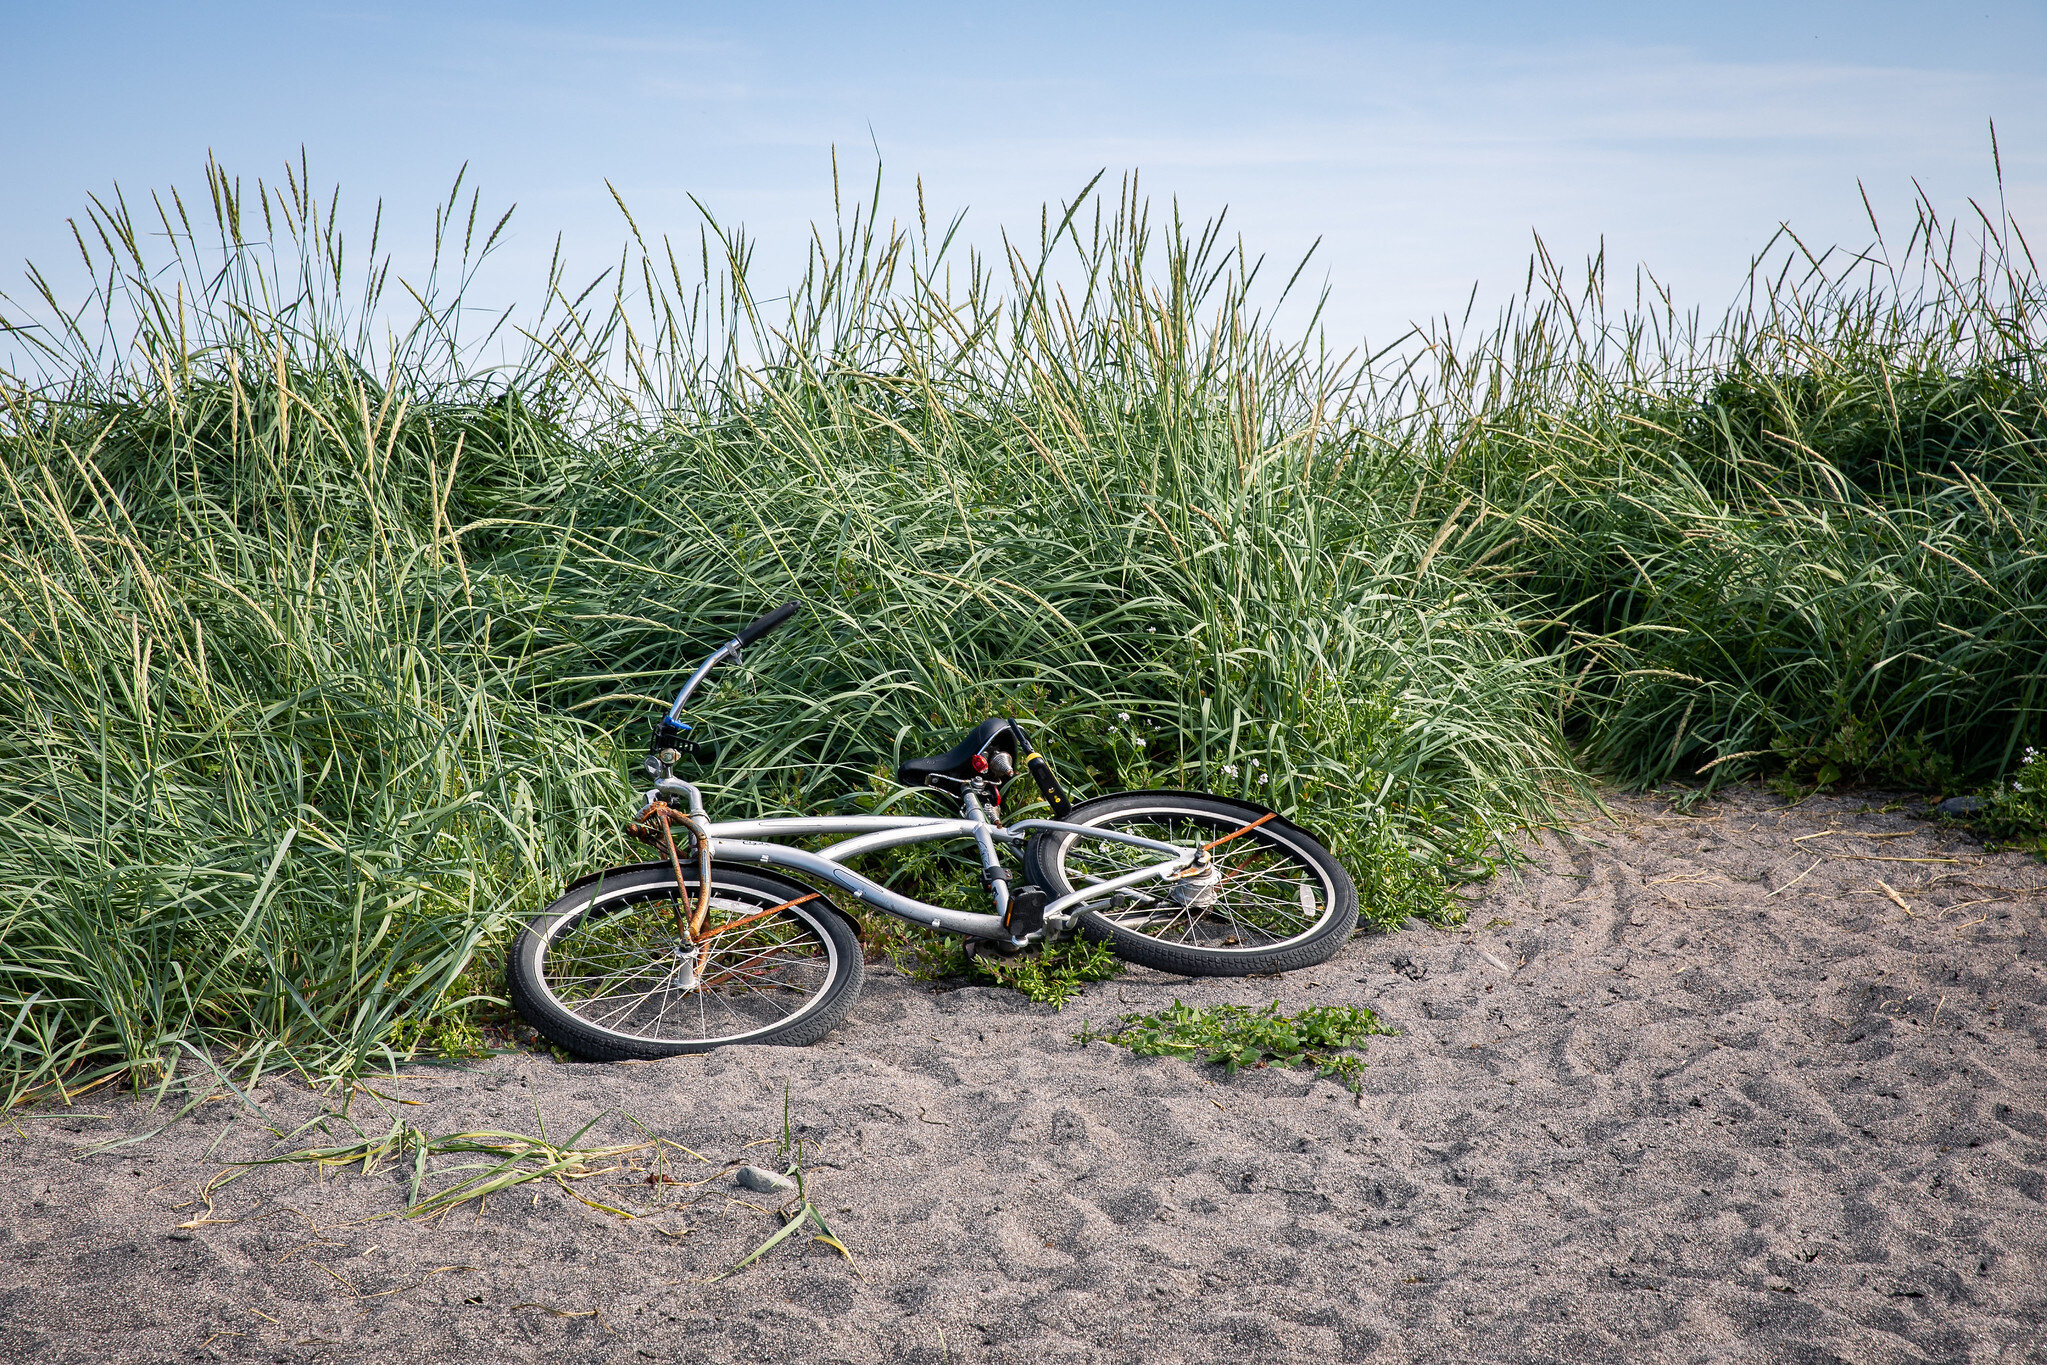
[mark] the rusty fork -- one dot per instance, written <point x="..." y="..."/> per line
<point x="656" y="825"/>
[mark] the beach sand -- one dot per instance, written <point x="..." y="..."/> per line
<point x="1751" y="1083"/>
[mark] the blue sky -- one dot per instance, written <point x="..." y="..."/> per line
<point x="1422" y="143"/>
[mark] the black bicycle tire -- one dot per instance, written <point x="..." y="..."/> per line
<point x="1318" y="945"/>
<point x="526" y="982"/>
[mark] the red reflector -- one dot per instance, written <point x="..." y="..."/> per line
<point x="980" y="763"/>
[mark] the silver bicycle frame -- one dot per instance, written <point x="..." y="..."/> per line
<point x="742" y="842"/>
<point x="750" y="841"/>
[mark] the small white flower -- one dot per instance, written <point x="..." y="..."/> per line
<point x="1264" y="778"/>
<point x="1138" y="740"/>
<point x="1122" y="715"/>
<point x="1151" y="630"/>
<point x="1230" y="768"/>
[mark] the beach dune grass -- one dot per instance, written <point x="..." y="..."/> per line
<point x="331" y="625"/>
<point x="1811" y="541"/>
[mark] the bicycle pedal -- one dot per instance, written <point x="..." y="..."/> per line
<point x="1026" y="911"/>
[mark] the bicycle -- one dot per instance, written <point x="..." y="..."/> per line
<point x="716" y="943"/>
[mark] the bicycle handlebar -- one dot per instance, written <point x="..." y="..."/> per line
<point x="766" y="623"/>
<point x="747" y="635"/>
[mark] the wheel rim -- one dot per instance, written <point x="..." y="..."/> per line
<point x="618" y="966"/>
<point x="1271" y="892"/>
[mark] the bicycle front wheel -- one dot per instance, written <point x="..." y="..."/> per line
<point x="1281" y="901"/>
<point x="604" y="972"/>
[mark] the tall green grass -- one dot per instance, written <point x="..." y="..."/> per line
<point x="328" y="644"/>
<point x="332" y="621"/>
<point x="1811" y="540"/>
<point x="268" y="789"/>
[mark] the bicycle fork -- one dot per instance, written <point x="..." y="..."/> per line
<point x="689" y="920"/>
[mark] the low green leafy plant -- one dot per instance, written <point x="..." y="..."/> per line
<point x="1234" y="1036"/>
<point x="2015" y="813"/>
<point x="1860" y="751"/>
<point x="450" y="1033"/>
<point x="1050" y="975"/>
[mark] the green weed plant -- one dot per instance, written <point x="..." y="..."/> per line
<point x="1051" y="974"/>
<point x="1236" y="1036"/>
<point x="2015" y="813"/>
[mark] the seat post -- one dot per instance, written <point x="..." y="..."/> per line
<point x="992" y="871"/>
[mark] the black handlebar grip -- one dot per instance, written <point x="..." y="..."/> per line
<point x="768" y="623"/>
<point x="1048" y="786"/>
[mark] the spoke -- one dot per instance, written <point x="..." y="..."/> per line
<point x="627" y="1002"/>
<point x="760" y="954"/>
<point x="1236" y="929"/>
<point x="1266" y="895"/>
<point x="617" y="969"/>
<point x="600" y="995"/>
<point x="667" y="997"/>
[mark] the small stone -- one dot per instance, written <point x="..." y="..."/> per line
<point x="1960" y="805"/>
<point x="766" y="1182"/>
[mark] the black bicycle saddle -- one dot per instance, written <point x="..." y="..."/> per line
<point x="958" y="761"/>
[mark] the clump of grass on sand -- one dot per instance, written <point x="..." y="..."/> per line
<point x="507" y="1160"/>
<point x="799" y="1211"/>
<point x="1234" y="1036"/>
<point x="1051" y="975"/>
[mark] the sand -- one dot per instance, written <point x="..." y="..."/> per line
<point x="1752" y="1083"/>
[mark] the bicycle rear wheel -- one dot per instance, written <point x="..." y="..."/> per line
<point x="1282" y="900"/>
<point x="603" y="972"/>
